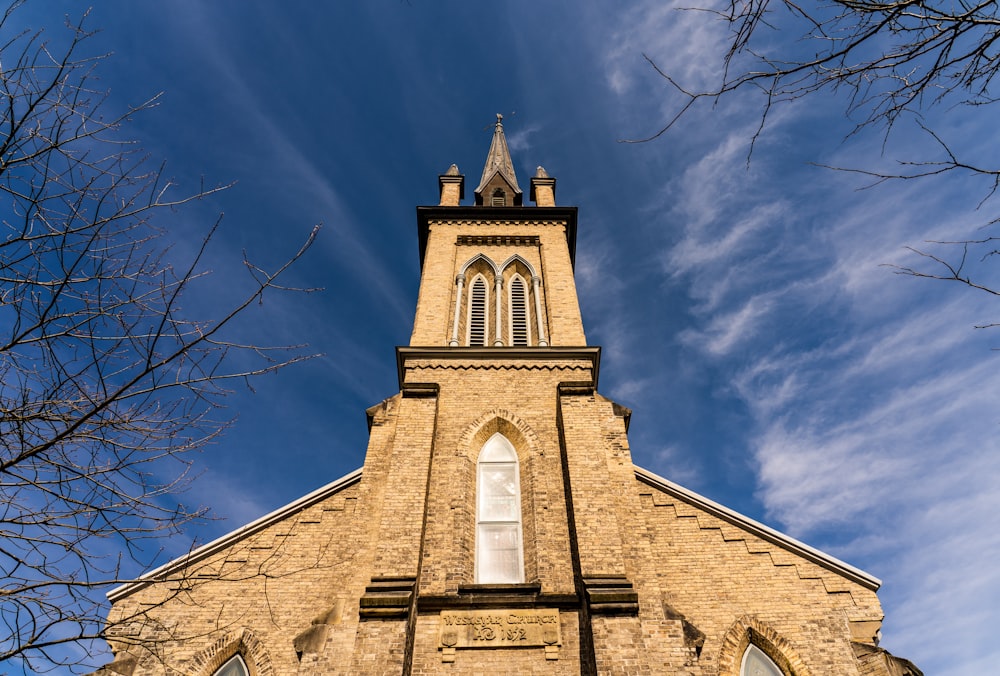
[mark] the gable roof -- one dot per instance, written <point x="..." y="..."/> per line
<point x="677" y="491"/>
<point x="235" y="536"/>
<point x="766" y="533"/>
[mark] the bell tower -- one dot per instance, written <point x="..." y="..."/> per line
<point x="511" y="468"/>
<point x="497" y="274"/>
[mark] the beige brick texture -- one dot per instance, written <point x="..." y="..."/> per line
<point x="445" y="257"/>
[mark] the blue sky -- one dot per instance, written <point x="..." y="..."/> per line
<point x="771" y="360"/>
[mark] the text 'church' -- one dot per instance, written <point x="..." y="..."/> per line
<point x="498" y="525"/>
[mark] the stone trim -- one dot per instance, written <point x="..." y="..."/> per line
<point x="487" y="357"/>
<point x="750" y="629"/>
<point x="468" y="438"/>
<point x="387" y="597"/>
<point x="420" y="390"/>
<point x="497" y="240"/>
<point x="523" y="595"/>
<point x="610" y="595"/>
<point x="242" y="641"/>
<point x="565" y="217"/>
<point x="536" y="222"/>
<point x="497" y="367"/>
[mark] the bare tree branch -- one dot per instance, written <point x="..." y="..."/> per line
<point x="889" y="59"/>
<point x="106" y="384"/>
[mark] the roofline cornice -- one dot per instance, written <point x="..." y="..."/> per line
<point x="474" y="213"/>
<point x="777" y="538"/>
<point x="506" y="354"/>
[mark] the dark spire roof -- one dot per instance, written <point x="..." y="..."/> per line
<point x="498" y="160"/>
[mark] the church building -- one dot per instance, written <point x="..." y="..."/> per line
<point x="498" y="525"/>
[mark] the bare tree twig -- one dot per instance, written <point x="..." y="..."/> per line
<point x="889" y="59"/>
<point x="106" y="384"/>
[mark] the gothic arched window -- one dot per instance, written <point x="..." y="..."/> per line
<point x="234" y="666"/>
<point x="520" y="329"/>
<point x="499" y="558"/>
<point x="499" y="198"/>
<point x="477" y="312"/>
<point x="757" y="663"/>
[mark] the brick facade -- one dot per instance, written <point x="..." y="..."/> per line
<point x="624" y="572"/>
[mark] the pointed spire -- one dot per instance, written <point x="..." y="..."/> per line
<point x="498" y="164"/>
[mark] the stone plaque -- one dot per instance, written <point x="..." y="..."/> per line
<point x="495" y="628"/>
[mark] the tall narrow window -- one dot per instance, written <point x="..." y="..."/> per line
<point x="477" y="313"/>
<point x="499" y="198"/>
<point x="499" y="558"/>
<point x="233" y="667"/>
<point x="519" y="312"/>
<point x="757" y="663"/>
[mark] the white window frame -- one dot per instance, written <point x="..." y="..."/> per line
<point x="497" y="451"/>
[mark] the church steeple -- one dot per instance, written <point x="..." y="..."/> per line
<point x="498" y="187"/>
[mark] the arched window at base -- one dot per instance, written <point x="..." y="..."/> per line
<point x="756" y="663"/>
<point x="235" y="666"/>
<point x="752" y="647"/>
<point x="239" y="651"/>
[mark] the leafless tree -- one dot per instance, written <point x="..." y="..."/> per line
<point x="105" y="382"/>
<point x="890" y="60"/>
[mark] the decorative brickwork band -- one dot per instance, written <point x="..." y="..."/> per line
<point x="497" y="240"/>
<point x="611" y="595"/>
<point x="387" y="597"/>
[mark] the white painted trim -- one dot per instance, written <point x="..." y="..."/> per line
<point x="517" y="257"/>
<point x="536" y="283"/>
<point x="459" y="283"/>
<point x="760" y="530"/>
<point x="479" y="257"/>
<point x="498" y="311"/>
<point x="234" y="536"/>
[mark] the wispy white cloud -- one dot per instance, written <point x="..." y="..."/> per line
<point x="519" y="140"/>
<point x="870" y="400"/>
<point x="726" y="331"/>
<point x="681" y="42"/>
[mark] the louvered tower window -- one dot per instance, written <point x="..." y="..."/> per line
<point x="477" y="313"/>
<point x="518" y="312"/>
<point x="499" y="198"/>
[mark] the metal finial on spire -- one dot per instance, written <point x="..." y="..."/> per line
<point x="498" y="162"/>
